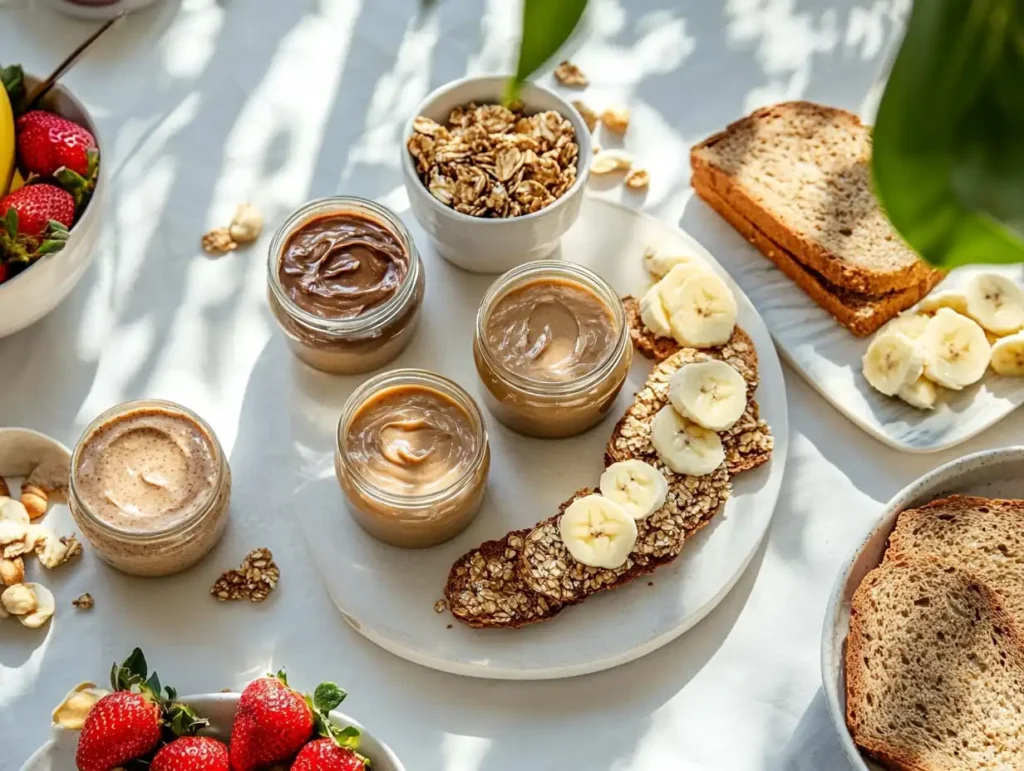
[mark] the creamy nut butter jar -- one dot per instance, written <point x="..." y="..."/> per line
<point x="345" y="283"/>
<point x="552" y="348"/>
<point x="150" y="487"/>
<point x="412" y="458"/>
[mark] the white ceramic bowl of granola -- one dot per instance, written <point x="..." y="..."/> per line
<point x="219" y="708"/>
<point x="491" y="245"/>
<point x="42" y="286"/>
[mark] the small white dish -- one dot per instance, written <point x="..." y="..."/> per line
<point x="991" y="473"/>
<point x="42" y="286"/>
<point x="219" y="708"/>
<point x="479" y="244"/>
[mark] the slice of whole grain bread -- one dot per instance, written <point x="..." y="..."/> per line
<point x="800" y="172"/>
<point x="934" y="671"/>
<point x="984" y="536"/>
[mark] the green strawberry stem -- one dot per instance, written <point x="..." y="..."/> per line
<point x="326" y="698"/>
<point x="81" y="188"/>
<point x="178" y="719"/>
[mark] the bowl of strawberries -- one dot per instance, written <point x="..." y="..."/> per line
<point x="137" y="725"/>
<point x="51" y="196"/>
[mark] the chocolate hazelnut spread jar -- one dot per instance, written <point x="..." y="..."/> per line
<point x="412" y="458"/>
<point x="552" y="348"/>
<point x="150" y="487"/>
<point x="345" y="283"/>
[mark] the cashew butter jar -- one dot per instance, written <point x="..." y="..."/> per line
<point x="345" y="284"/>
<point x="552" y="348"/>
<point x="150" y="487"/>
<point x="412" y="458"/>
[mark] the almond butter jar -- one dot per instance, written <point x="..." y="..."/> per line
<point x="412" y="458"/>
<point x="150" y="487"/>
<point x="345" y="283"/>
<point x="552" y="348"/>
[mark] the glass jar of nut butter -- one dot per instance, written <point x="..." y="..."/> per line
<point x="412" y="458"/>
<point x="345" y="283"/>
<point x="150" y="487"/>
<point x="552" y="348"/>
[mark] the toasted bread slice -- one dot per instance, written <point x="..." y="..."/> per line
<point x="800" y="173"/>
<point x="984" y="536"/>
<point x="934" y="671"/>
<point x="859" y="313"/>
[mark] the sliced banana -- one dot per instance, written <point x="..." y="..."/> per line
<point x="910" y="324"/>
<point x="598" y="532"/>
<point x="922" y="394"/>
<point x="658" y="264"/>
<point x="995" y="302"/>
<point x="710" y="393"/>
<point x="684" y="446"/>
<point x="637" y="487"/>
<point x="955" y="350"/>
<point x="1008" y="355"/>
<point x="653" y="313"/>
<point x="891" y="362"/>
<point x="703" y="312"/>
<point x="948" y="299"/>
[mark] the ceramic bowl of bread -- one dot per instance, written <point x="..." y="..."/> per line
<point x="923" y="642"/>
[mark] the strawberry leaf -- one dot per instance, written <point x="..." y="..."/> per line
<point x="13" y="79"/>
<point x="153" y="683"/>
<point x="346" y="737"/>
<point x="182" y="720"/>
<point x="11" y="222"/>
<point x="50" y="246"/>
<point x="328" y="696"/>
<point x="133" y="670"/>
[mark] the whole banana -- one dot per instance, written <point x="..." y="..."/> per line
<point x="7" y="147"/>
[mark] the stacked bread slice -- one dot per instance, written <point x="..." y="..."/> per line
<point x="935" y="654"/>
<point x="795" y="180"/>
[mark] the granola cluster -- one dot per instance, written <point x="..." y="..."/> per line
<point x="254" y="580"/>
<point x="491" y="161"/>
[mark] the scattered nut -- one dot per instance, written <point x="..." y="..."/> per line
<point x="12" y="571"/>
<point x="5" y="491"/>
<point x="83" y="601"/>
<point x="638" y="179"/>
<point x="34" y="500"/>
<point x="589" y="116"/>
<point x="13" y="511"/>
<point x="72" y="711"/>
<point x="45" y="606"/>
<point x="246" y="225"/>
<point x="616" y="119"/>
<point x="568" y="74"/>
<point x="19" y="599"/>
<point x="13" y="535"/>
<point x="219" y="241"/>
<point x="597" y="148"/>
<point x="53" y="551"/>
<point x="254" y="580"/>
<point x="609" y="161"/>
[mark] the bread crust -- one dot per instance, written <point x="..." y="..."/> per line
<point x="862" y="315"/>
<point x="905" y="273"/>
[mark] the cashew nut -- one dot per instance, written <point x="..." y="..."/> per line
<point x="19" y="600"/>
<point x="12" y="571"/>
<point x="53" y="551"/>
<point x="34" y="499"/>
<point x="71" y="712"/>
<point x="45" y="606"/>
<point x="247" y="224"/>
<point x="14" y="511"/>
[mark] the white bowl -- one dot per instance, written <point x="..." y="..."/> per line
<point x="992" y="473"/>
<point x="98" y="12"/>
<point x="482" y="245"/>
<point x="219" y="708"/>
<point x="41" y="287"/>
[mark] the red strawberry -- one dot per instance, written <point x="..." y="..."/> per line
<point x="5" y="272"/>
<point x="192" y="753"/>
<point x="36" y="205"/>
<point x="122" y="726"/>
<point x="46" y="142"/>
<point x="271" y="724"/>
<point x="325" y="755"/>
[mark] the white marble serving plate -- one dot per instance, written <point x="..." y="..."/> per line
<point x="991" y="473"/>
<point x="388" y="594"/>
<point x="58" y="754"/>
<point x="828" y="357"/>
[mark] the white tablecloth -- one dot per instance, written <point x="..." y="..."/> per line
<point x="204" y="104"/>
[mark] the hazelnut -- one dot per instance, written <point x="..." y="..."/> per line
<point x="12" y="571"/>
<point x="45" y="606"/>
<point x="35" y="501"/>
<point x="19" y="600"/>
<point x="616" y="119"/>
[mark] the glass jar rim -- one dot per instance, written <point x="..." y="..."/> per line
<point x="178" y="527"/>
<point x="556" y="269"/>
<point x="376" y="317"/>
<point x="428" y="379"/>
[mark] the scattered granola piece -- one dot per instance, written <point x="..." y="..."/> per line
<point x="35" y="500"/>
<point x="610" y="161"/>
<point x="616" y="119"/>
<point x="440" y="606"/>
<point x="568" y="74"/>
<point x="589" y="116"/>
<point x="83" y="602"/>
<point x="219" y="241"/>
<point x="246" y="225"/>
<point x="638" y="179"/>
<point x="254" y="580"/>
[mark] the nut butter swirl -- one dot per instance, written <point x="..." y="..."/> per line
<point x="411" y="440"/>
<point x="342" y="264"/>
<point x="551" y="330"/>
